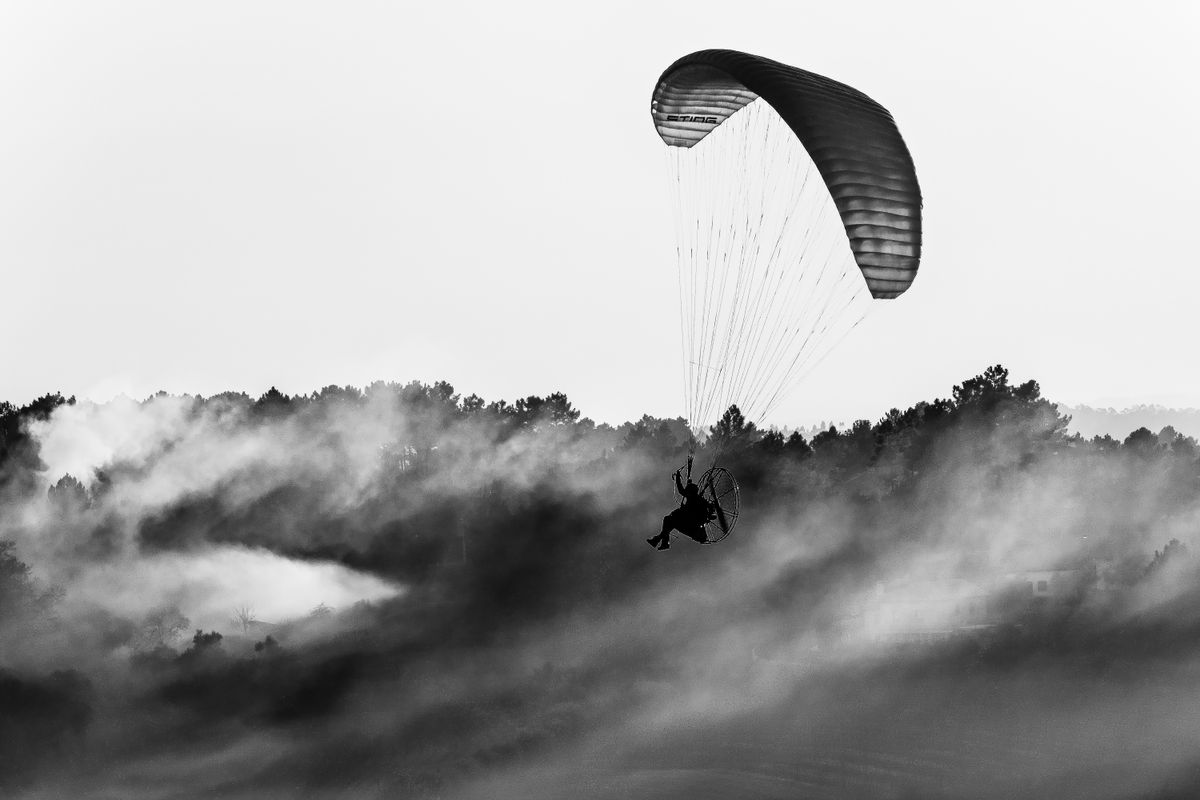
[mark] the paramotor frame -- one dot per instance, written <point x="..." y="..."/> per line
<point x="719" y="487"/>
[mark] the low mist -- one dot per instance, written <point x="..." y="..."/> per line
<point x="402" y="591"/>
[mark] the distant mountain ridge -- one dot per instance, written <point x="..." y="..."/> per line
<point x="1088" y="421"/>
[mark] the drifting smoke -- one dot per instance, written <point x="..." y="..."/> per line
<point x="419" y="594"/>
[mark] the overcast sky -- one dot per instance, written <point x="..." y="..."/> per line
<point x="232" y="195"/>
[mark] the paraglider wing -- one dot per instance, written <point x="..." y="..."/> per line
<point x="852" y="140"/>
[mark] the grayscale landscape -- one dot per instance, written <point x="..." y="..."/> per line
<point x="553" y="401"/>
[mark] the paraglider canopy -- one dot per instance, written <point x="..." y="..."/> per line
<point x="851" y="139"/>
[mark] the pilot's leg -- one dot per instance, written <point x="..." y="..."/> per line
<point x="665" y="536"/>
<point x="663" y="540"/>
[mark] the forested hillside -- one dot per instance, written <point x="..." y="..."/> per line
<point x="401" y="589"/>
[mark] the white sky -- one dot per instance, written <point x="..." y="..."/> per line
<point x="229" y="195"/>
